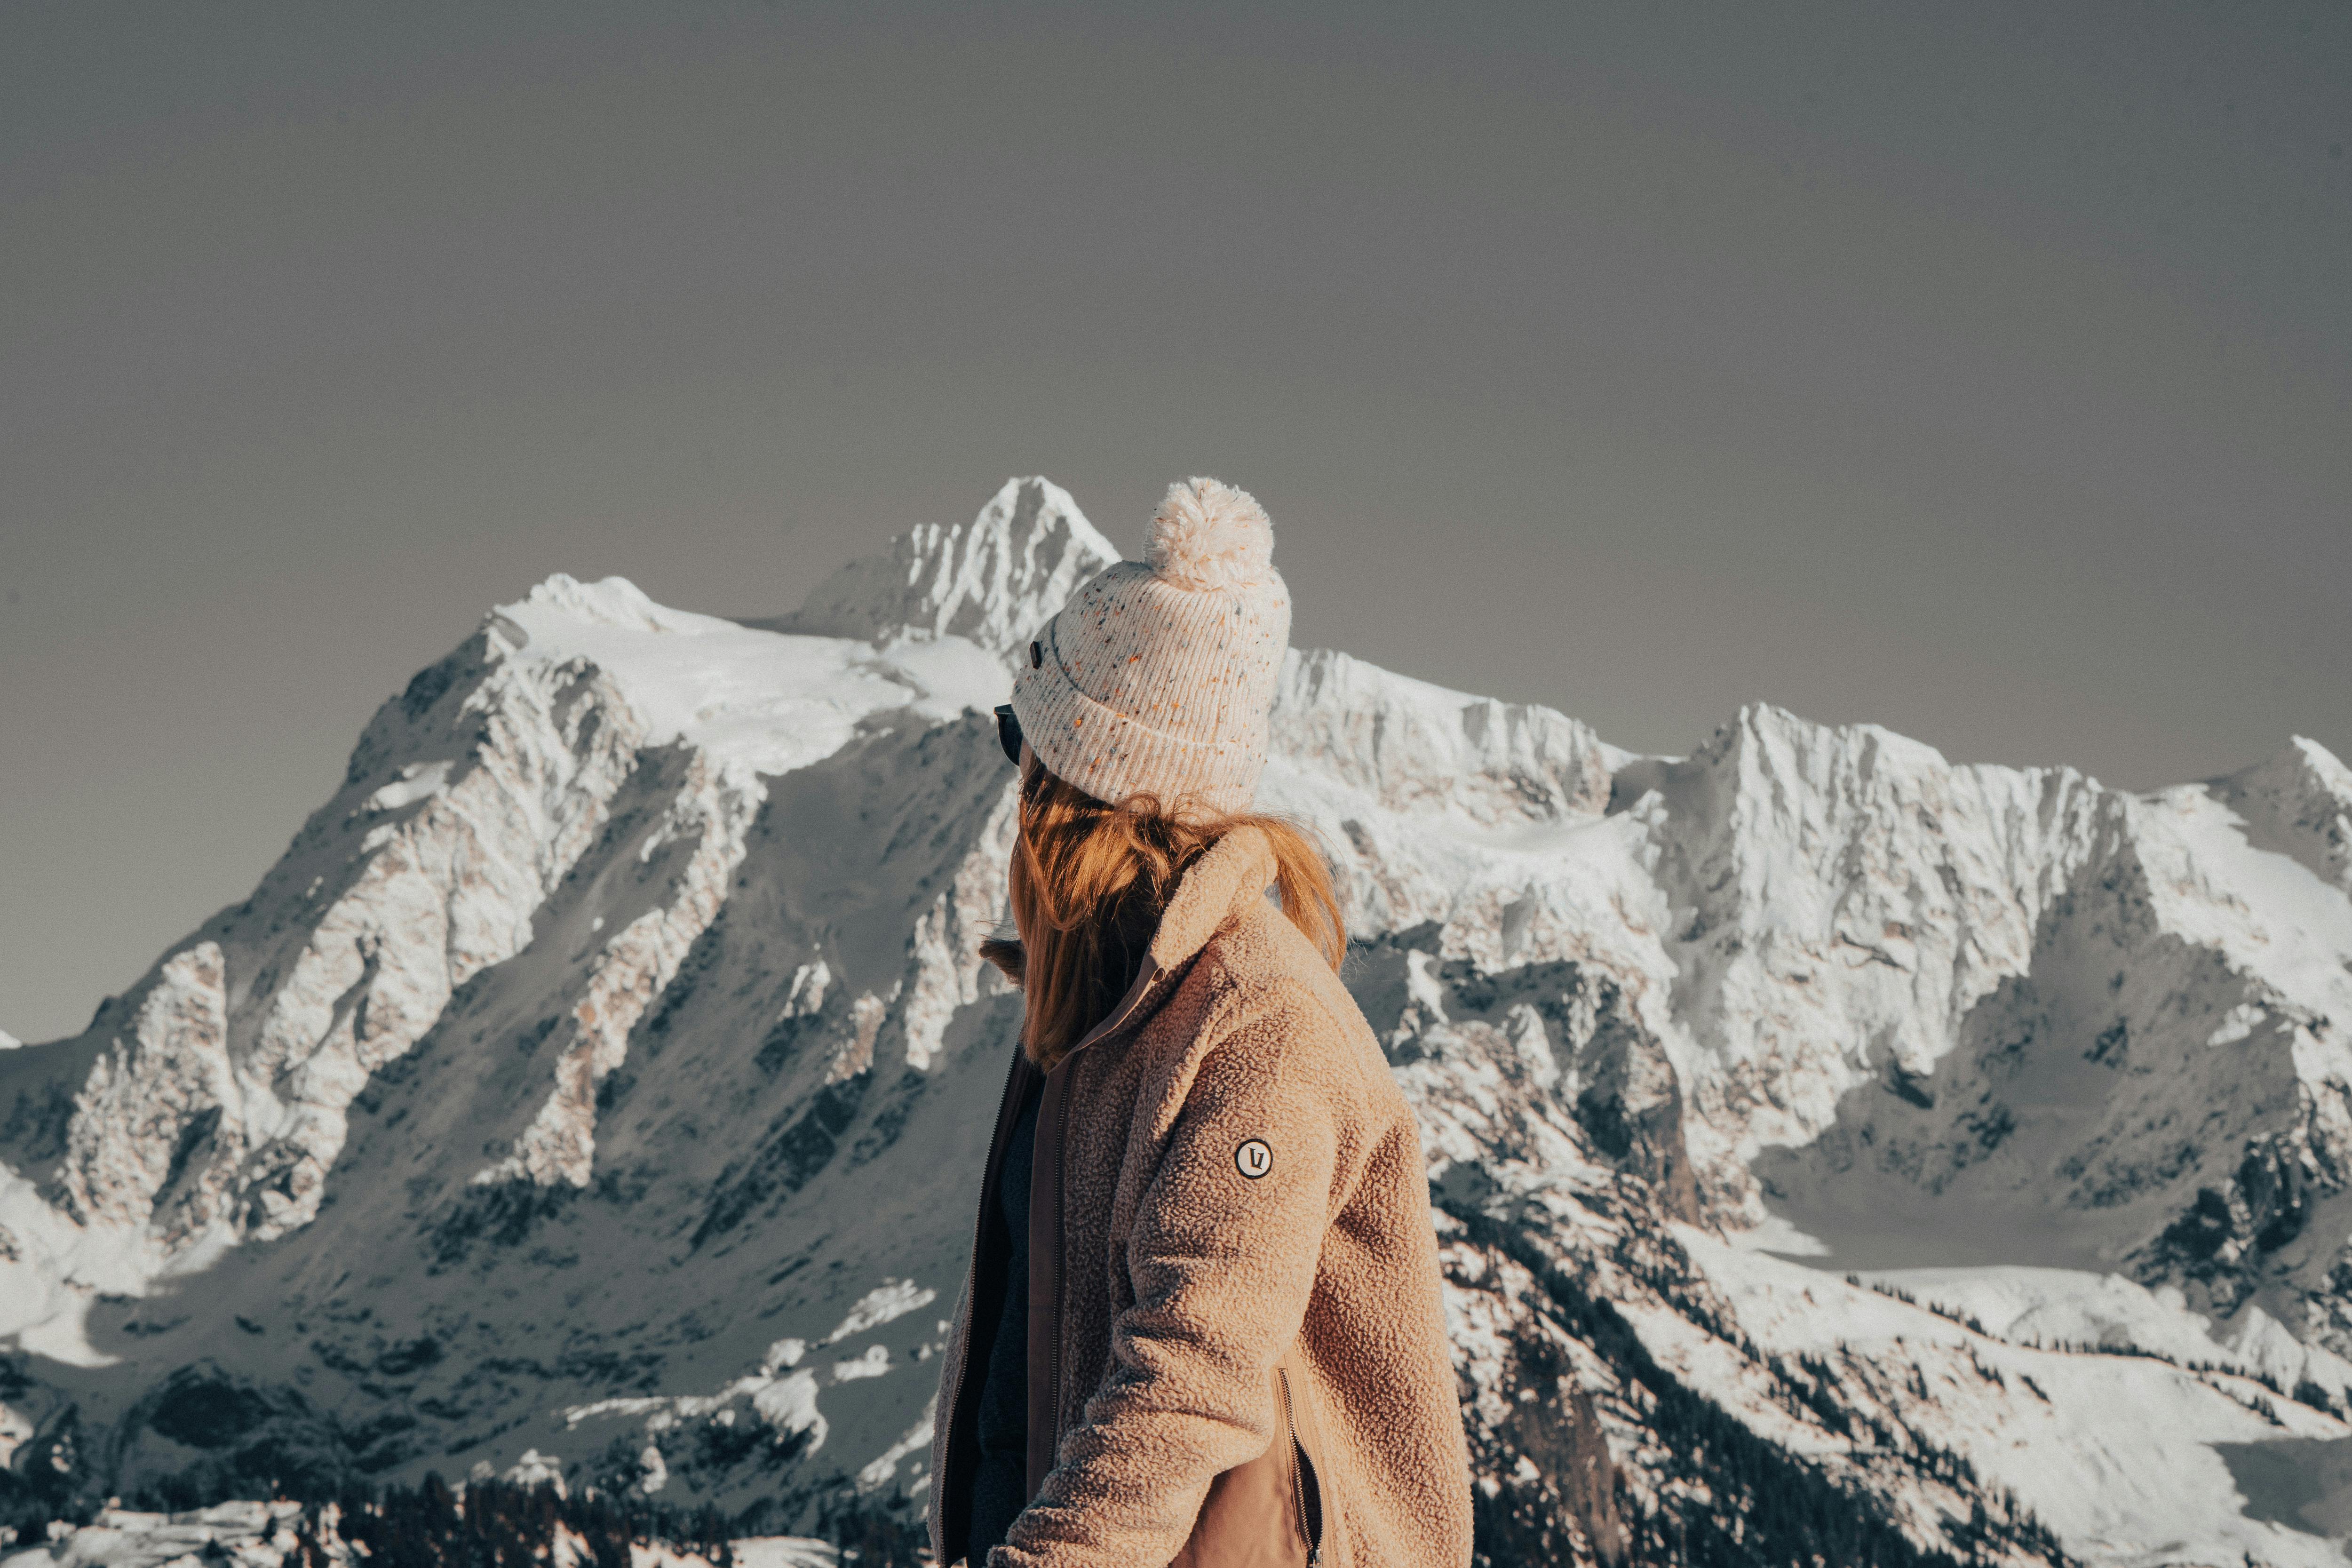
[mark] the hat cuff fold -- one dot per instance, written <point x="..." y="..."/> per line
<point x="1113" y="757"/>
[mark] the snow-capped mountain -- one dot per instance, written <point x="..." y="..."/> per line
<point x="597" y="1087"/>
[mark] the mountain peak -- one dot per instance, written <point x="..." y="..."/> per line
<point x="609" y="601"/>
<point x="2323" y="764"/>
<point x="2298" y="803"/>
<point x="994" y="580"/>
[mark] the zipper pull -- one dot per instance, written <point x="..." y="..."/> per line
<point x="1314" y="1555"/>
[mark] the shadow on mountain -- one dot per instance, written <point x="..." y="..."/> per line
<point x="2303" y="1484"/>
<point x="2081" y="1120"/>
<point x="753" y="1179"/>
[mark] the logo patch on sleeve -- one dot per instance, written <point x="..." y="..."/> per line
<point x="1253" y="1159"/>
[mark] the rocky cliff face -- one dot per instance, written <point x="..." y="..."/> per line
<point x="598" y="1085"/>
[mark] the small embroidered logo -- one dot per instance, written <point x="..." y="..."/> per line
<point x="1253" y="1159"/>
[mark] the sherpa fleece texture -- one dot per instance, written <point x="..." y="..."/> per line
<point x="1185" y="1279"/>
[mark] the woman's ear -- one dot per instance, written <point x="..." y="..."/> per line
<point x="1007" y="954"/>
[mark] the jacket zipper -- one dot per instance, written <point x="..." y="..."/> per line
<point x="1145" y="980"/>
<point x="1314" y="1532"/>
<point x="1062" y="1142"/>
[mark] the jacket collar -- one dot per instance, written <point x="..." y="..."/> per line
<point x="1219" y="886"/>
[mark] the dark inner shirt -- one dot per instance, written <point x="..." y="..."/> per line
<point x="999" y="1483"/>
<point x="1000" y="1487"/>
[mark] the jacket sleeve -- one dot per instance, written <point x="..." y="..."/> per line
<point x="1222" y="1259"/>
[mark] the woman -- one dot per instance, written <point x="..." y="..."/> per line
<point x="1202" y="1322"/>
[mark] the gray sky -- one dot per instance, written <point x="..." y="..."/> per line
<point x="1982" y="371"/>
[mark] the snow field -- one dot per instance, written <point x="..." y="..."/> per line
<point x="2114" y="1450"/>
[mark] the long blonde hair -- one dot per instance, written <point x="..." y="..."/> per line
<point x="1089" y="882"/>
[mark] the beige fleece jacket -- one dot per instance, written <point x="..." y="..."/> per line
<point x="1230" y="1172"/>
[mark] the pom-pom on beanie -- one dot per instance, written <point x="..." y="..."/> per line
<point x="1157" y="677"/>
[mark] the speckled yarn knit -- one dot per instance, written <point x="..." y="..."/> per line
<point x="1156" y="678"/>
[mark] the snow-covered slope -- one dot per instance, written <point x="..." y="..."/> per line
<point x="992" y="583"/>
<point x="594" y="1088"/>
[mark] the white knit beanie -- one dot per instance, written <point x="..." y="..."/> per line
<point x="1156" y="678"/>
